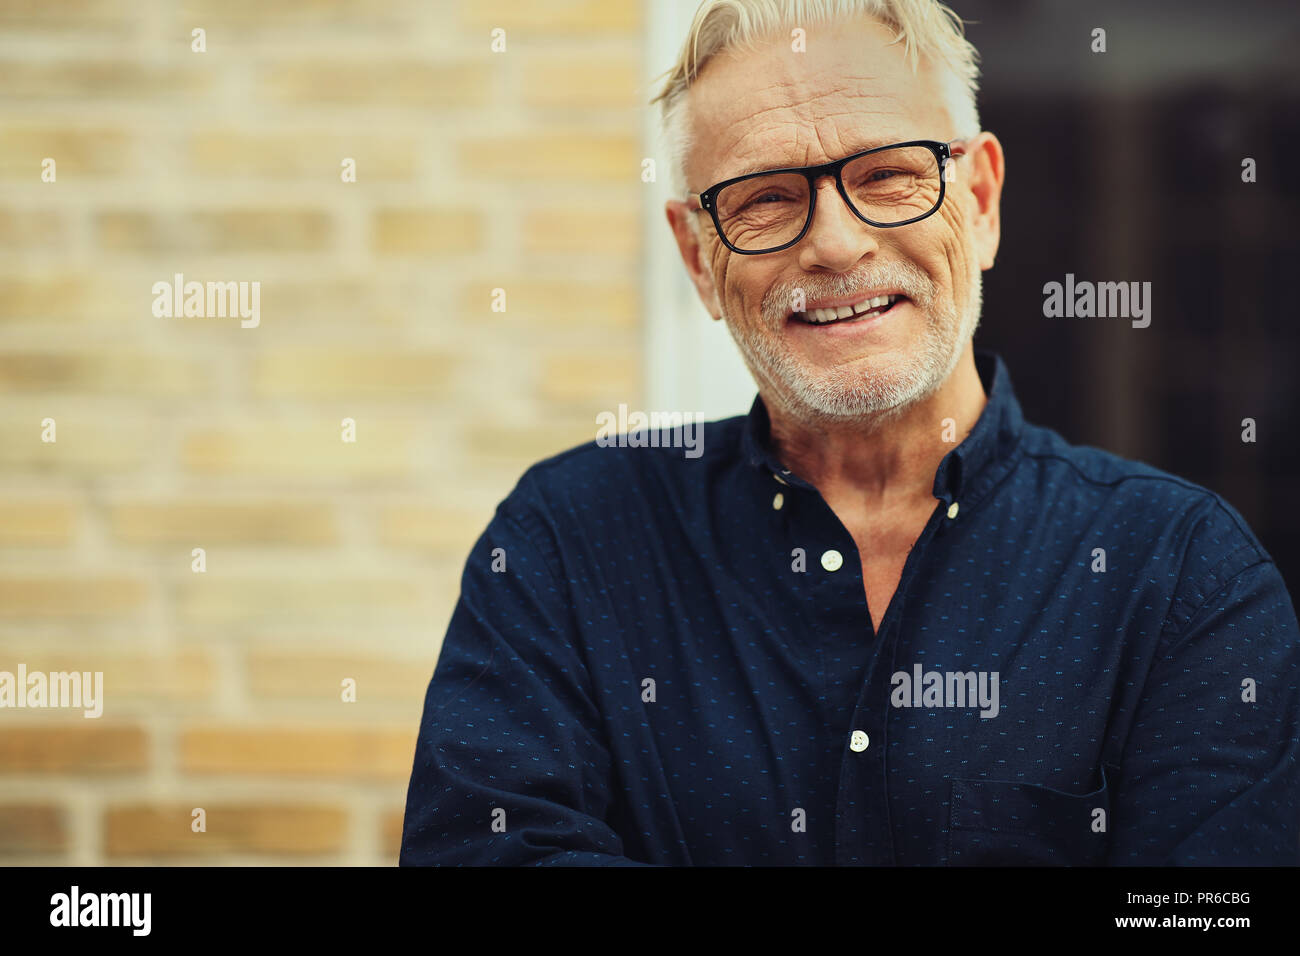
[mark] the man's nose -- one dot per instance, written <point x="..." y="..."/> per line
<point x="836" y="238"/>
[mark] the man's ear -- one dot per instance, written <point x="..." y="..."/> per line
<point x="985" y="173"/>
<point x="693" y="253"/>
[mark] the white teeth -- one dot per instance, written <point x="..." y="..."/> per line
<point x="844" y="311"/>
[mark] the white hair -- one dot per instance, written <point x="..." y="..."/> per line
<point x="927" y="29"/>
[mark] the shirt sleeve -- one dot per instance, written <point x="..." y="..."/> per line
<point x="1210" y="774"/>
<point x="510" y="766"/>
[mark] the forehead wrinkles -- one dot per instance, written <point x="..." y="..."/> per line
<point x="818" y="130"/>
<point x="856" y="60"/>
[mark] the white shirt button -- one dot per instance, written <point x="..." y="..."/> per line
<point x="952" y="510"/>
<point x="781" y="480"/>
<point x="858" y="742"/>
<point x="832" y="560"/>
<point x="778" y="501"/>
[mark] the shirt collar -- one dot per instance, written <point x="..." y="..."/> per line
<point x="965" y="473"/>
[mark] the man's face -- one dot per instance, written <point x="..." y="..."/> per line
<point x="850" y="91"/>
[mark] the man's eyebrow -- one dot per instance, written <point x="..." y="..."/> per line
<point x="764" y="167"/>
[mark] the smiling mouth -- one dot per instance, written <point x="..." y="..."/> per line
<point x="866" y="309"/>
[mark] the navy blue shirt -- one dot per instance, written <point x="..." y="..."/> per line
<point x="666" y="659"/>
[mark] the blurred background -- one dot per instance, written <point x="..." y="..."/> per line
<point x="330" y="561"/>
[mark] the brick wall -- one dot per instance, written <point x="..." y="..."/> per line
<point x="325" y="559"/>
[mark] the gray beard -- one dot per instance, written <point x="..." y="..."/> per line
<point x="811" y="393"/>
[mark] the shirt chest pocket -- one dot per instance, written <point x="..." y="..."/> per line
<point x="1003" y="823"/>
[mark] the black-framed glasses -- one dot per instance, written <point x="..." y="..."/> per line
<point x="886" y="186"/>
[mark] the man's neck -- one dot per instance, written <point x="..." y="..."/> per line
<point x="888" y="461"/>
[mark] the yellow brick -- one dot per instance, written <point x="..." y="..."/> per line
<point x="300" y="156"/>
<point x="576" y="156"/>
<point x="217" y="231"/>
<point x="427" y="231"/>
<point x="37" y="523"/>
<point x="370" y="82"/>
<point x="282" y="829"/>
<point x="305" y="302"/>
<point x="607" y="378"/>
<point x="330" y="312"/>
<point x="70" y="16"/>
<point x="557" y="18"/>
<point x="109" y="371"/>
<point x="352" y="754"/>
<point x="32" y="229"/>
<point x="306" y="454"/>
<point x="349" y="15"/>
<point x="526" y="444"/>
<point x="214" y="598"/>
<point x="573" y="83"/>
<point x="605" y="230"/>
<point x="30" y="828"/>
<point x="85" y="449"/>
<point x="90" y="80"/>
<point x="206" y="523"/>
<point x="46" y="297"/>
<point x="28" y="596"/>
<point x="390" y="833"/>
<point x="83" y="747"/>
<point x="77" y="153"/>
<point x="307" y="674"/>
<point x="184" y="675"/>
<point x="352" y="374"/>
<point x="449" y="531"/>
<point x="545" y="304"/>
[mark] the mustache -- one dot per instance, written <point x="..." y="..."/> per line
<point x="905" y="277"/>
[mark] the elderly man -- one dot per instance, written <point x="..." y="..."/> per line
<point x="881" y="619"/>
